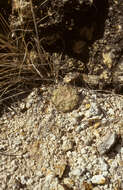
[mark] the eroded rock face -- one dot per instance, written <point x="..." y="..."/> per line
<point x="118" y="75"/>
<point x="88" y="32"/>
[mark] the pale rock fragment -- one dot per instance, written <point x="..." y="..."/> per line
<point x="67" y="144"/>
<point x="68" y="182"/>
<point x="104" y="165"/>
<point x="76" y="172"/>
<point x="59" y="169"/>
<point x="60" y="187"/>
<point x="98" y="179"/>
<point x="107" y="143"/>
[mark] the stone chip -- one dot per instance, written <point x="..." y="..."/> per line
<point x="107" y="143"/>
<point x="98" y="179"/>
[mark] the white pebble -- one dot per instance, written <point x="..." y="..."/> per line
<point x="76" y="172"/>
<point x="104" y="166"/>
<point x="98" y="179"/>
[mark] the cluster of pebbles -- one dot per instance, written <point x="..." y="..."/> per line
<point x="53" y="141"/>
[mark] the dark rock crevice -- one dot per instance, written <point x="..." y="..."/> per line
<point x="81" y="25"/>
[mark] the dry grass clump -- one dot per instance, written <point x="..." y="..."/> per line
<point x="21" y="67"/>
<point x="11" y="67"/>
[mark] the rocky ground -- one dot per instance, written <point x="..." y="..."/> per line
<point x="66" y="133"/>
<point x="77" y="146"/>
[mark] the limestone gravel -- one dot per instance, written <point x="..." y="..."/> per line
<point x="43" y="149"/>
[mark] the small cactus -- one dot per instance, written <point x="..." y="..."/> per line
<point x="65" y="98"/>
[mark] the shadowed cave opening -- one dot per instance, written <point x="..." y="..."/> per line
<point x="81" y="26"/>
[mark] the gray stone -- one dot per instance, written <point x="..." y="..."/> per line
<point x="107" y="143"/>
